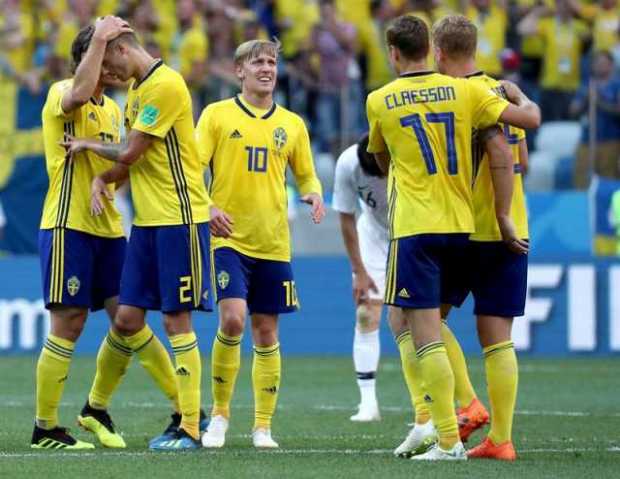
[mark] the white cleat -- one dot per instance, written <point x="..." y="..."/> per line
<point x="367" y="413"/>
<point x="261" y="438"/>
<point x="435" y="453"/>
<point x="215" y="435"/>
<point x="419" y="440"/>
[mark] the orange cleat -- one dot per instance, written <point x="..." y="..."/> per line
<point x="471" y="418"/>
<point x="487" y="450"/>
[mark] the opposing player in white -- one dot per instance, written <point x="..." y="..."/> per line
<point x="359" y="181"/>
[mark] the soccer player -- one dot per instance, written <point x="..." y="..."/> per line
<point x="81" y="256"/>
<point x="498" y="281"/>
<point x="168" y="262"/>
<point x="420" y="125"/>
<point x="248" y="141"/>
<point x="359" y="178"/>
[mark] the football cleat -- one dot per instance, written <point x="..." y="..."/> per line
<point x="488" y="450"/>
<point x="181" y="441"/>
<point x="100" y="423"/>
<point x="215" y="435"/>
<point x="436" y="453"/>
<point x="420" y="438"/>
<point x="367" y="413"/>
<point x="261" y="438"/>
<point x="170" y="431"/>
<point x="471" y="418"/>
<point x="57" y="438"/>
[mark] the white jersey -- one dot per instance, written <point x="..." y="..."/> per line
<point x="353" y="187"/>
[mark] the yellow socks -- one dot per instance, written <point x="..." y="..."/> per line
<point x="463" y="390"/>
<point x="225" y="364"/>
<point x="500" y="362"/>
<point x="266" y="370"/>
<point x="188" y="374"/>
<point x="112" y="362"/>
<point x="438" y="382"/>
<point x="155" y="359"/>
<point x="412" y="376"/>
<point x="52" y="371"/>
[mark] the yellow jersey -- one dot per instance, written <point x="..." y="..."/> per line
<point x="424" y="120"/>
<point x="248" y="151"/>
<point x="67" y="203"/>
<point x="167" y="184"/>
<point x="562" y="54"/>
<point x="492" y="27"/>
<point x="484" y="205"/>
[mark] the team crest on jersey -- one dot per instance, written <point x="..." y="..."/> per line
<point x="223" y="278"/>
<point x="280" y="137"/>
<point x="92" y="116"/>
<point x="135" y="107"/>
<point x="73" y="285"/>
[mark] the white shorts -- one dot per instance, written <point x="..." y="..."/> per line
<point x="374" y="245"/>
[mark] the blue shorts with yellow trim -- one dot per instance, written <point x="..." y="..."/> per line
<point x="168" y="268"/>
<point x="420" y="267"/>
<point x="79" y="269"/>
<point x="266" y="285"/>
<point x="497" y="279"/>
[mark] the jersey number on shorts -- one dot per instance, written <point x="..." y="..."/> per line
<point x="415" y="121"/>
<point x="257" y="158"/>
<point x="185" y="290"/>
<point x="291" y="293"/>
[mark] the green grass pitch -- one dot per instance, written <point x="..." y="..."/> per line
<point x="567" y="425"/>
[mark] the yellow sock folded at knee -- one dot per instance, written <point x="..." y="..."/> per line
<point x="188" y="375"/>
<point x="412" y="376"/>
<point x="225" y="364"/>
<point x="500" y="362"/>
<point x="438" y="382"/>
<point x="463" y="390"/>
<point x="112" y="362"/>
<point x="154" y="357"/>
<point x="52" y="373"/>
<point x="266" y="371"/>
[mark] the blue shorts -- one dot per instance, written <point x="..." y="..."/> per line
<point x="79" y="269"/>
<point x="497" y="279"/>
<point x="168" y="268"/>
<point x="421" y="266"/>
<point x="266" y="285"/>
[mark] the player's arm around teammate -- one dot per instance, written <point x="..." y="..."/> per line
<point x="248" y="142"/>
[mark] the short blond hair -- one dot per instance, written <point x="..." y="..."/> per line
<point x="253" y="48"/>
<point x="456" y="36"/>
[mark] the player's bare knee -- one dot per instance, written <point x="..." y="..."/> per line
<point x="231" y="322"/>
<point x="68" y="323"/>
<point x="264" y="333"/>
<point x="367" y="319"/>
<point x="178" y="323"/>
<point x="126" y="325"/>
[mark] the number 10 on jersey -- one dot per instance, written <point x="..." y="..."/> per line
<point x="257" y="158"/>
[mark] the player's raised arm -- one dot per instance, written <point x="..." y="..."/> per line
<point x="88" y="72"/>
<point x="308" y="183"/>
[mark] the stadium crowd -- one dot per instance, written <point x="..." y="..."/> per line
<point x="333" y="53"/>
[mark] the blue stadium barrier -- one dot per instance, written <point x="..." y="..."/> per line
<point x="571" y="310"/>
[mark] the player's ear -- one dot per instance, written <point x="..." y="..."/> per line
<point x="239" y="71"/>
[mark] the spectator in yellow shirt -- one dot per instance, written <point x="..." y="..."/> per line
<point x="491" y="20"/>
<point x="563" y="38"/>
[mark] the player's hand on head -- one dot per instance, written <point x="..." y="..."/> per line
<point x="509" y="236"/>
<point x="362" y="284"/>
<point x="98" y="190"/>
<point x="317" y="211"/>
<point x="220" y="223"/>
<point x="109" y="27"/>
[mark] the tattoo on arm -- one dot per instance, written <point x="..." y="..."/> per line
<point x="109" y="151"/>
